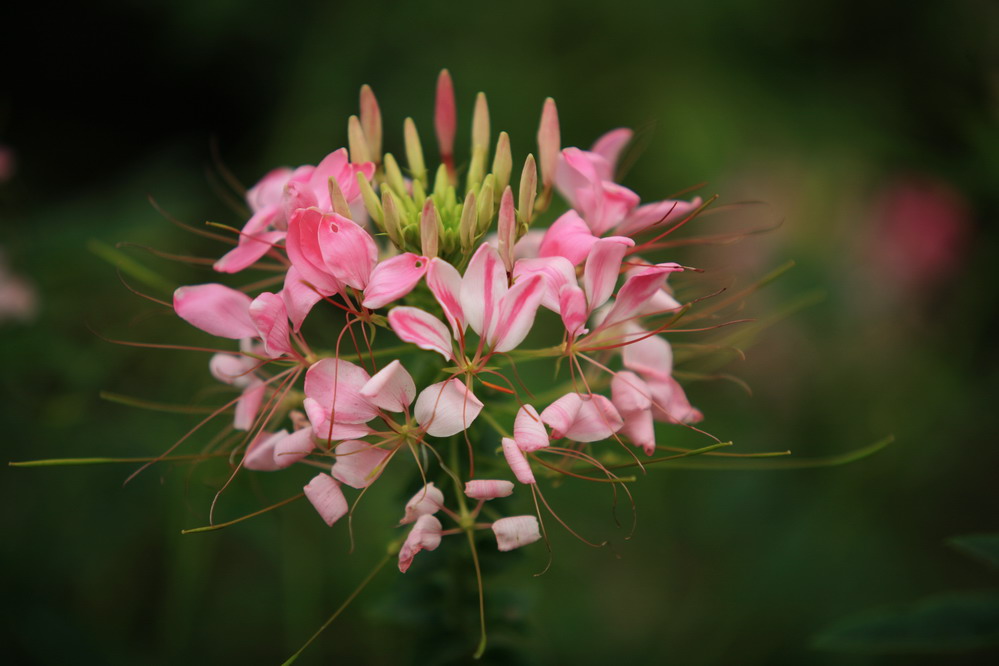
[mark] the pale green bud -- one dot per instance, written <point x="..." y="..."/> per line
<point x="371" y="122"/>
<point x="528" y="190"/>
<point x="356" y="142"/>
<point x="502" y="161"/>
<point x="414" y="151"/>
<point x="467" y="227"/>
<point x="370" y="199"/>
<point x="392" y="223"/>
<point x="393" y="175"/>
<point x="430" y="229"/>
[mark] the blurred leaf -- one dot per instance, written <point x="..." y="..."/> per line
<point x="984" y="547"/>
<point x="949" y="623"/>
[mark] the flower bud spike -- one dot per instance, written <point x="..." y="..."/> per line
<point x="356" y="142"/>
<point x="340" y="206"/>
<point x="528" y="191"/>
<point x="391" y="223"/>
<point x="549" y="143"/>
<point x="467" y="227"/>
<point x="487" y="204"/>
<point x="430" y="224"/>
<point x="480" y="124"/>
<point x="507" y="229"/>
<point x="441" y="181"/>
<point x="446" y="121"/>
<point x="371" y="203"/>
<point x="502" y="162"/>
<point x="393" y="175"/>
<point x="371" y="122"/>
<point x="419" y="195"/>
<point x="414" y="151"/>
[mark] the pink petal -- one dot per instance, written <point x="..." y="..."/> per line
<point x="426" y="501"/>
<point x="582" y="418"/>
<point x="568" y="237"/>
<point x="394" y="278"/>
<point x="606" y="205"/>
<point x="516" y="314"/>
<point x="516" y="531"/>
<point x="296" y="446"/>
<point x="649" y="354"/>
<point x="248" y="405"/>
<point x="517" y="461"/>
<point x="670" y="404"/>
<point x="232" y="369"/>
<point x="556" y="271"/>
<point x="335" y="166"/>
<point x="335" y="386"/>
<point x="302" y="245"/>
<point x="482" y="289"/>
<point x="259" y="454"/>
<point x="391" y="388"/>
<point x="445" y="283"/>
<point x="528" y="431"/>
<point x="487" y="489"/>
<point x="247" y="252"/>
<point x="421" y="329"/>
<point x="268" y="191"/>
<point x="637" y="290"/>
<point x="271" y="321"/>
<point x="215" y="309"/>
<point x="325" y="494"/>
<point x="572" y="306"/>
<point x="609" y="147"/>
<point x="528" y="245"/>
<point x="630" y="393"/>
<point x="358" y="464"/>
<point x="319" y="417"/>
<point x="654" y="214"/>
<point x="299" y="297"/>
<point x="603" y="265"/>
<point x="425" y="535"/>
<point x="446" y="408"/>
<point x="349" y="251"/>
<point x="639" y="428"/>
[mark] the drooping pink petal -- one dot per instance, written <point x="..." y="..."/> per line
<point x="249" y="404"/>
<point x="427" y="500"/>
<point x="268" y="191"/>
<point x="394" y="278"/>
<point x="640" y="429"/>
<point x="568" y="237"/>
<point x="391" y="388"/>
<point x="425" y="535"/>
<point x="516" y="531"/>
<point x="637" y="290"/>
<point x="630" y="393"/>
<point x="516" y="314"/>
<point x="247" y="252"/>
<point x="517" y="461"/>
<point x="296" y="446"/>
<point x="487" y="489"/>
<point x="299" y="297"/>
<point x="421" y="329"/>
<point x="670" y="403"/>
<point x="582" y="418"/>
<point x="232" y="369"/>
<point x="606" y="205"/>
<point x="335" y="386"/>
<point x="654" y="214"/>
<point x="446" y="408"/>
<point x="445" y="284"/>
<point x="327" y="432"/>
<point x="215" y="309"/>
<point x="358" y="463"/>
<point x="482" y="289"/>
<point x="556" y="271"/>
<point x="528" y="431"/>
<point x="349" y="252"/>
<point x="609" y="147"/>
<point x="302" y="245"/>
<point x="650" y="355"/>
<point x="603" y="266"/>
<point x="259" y="454"/>
<point x="325" y="495"/>
<point x="572" y="307"/>
<point x="269" y="316"/>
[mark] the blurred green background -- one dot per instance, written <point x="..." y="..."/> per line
<point x="870" y="131"/>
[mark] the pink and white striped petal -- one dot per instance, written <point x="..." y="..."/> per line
<point x="517" y="461"/>
<point x="516" y="314"/>
<point x="637" y="290"/>
<point x="572" y="307"/>
<point x="568" y="237"/>
<point x="391" y="388"/>
<point x="487" y="489"/>
<point x="483" y="288"/>
<point x="394" y="278"/>
<point x="582" y="418"/>
<point x="654" y="214"/>
<point x="426" y="501"/>
<point x="557" y="273"/>
<point x="270" y="317"/>
<point x="445" y="284"/>
<point x="528" y="430"/>
<point x="516" y="531"/>
<point x="609" y="147"/>
<point x="215" y="309"/>
<point x="421" y="329"/>
<point x="358" y="463"/>
<point x="446" y="408"/>
<point x="325" y="495"/>
<point x="603" y="265"/>
<point x="425" y="535"/>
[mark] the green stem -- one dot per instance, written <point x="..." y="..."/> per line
<point x="210" y="528"/>
<point x="53" y="462"/>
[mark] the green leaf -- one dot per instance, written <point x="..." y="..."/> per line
<point x="984" y="547"/>
<point x="951" y="623"/>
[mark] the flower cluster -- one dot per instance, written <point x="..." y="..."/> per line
<point x="457" y="263"/>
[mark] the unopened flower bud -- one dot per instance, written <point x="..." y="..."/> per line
<point x="507" y="229"/>
<point x="391" y="222"/>
<point x="371" y="122"/>
<point x="468" y="226"/>
<point x="445" y="120"/>
<point x="414" y="151"/>
<point x="528" y="191"/>
<point x="430" y="223"/>
<point x="340" y="206"/>
<point x="549" y="143"/>
<point x="486" y="204"/>
<point x="502" y="161"/>
<point x="356" y="142"/>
